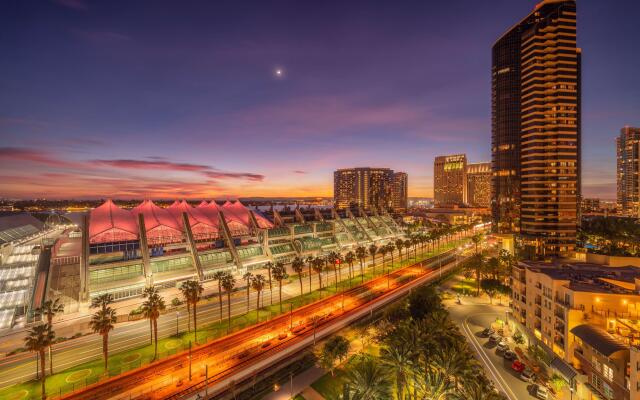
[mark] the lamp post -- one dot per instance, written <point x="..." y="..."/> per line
<point x="177" y="316"/>
<point x="290" y="316"/>
<point x="189" y="359"/>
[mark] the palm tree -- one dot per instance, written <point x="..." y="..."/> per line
<point x="280" y="274"/>
<point x="228" y="283"/>
<point x="103" y="301"/>
<point x="479" y="264"/>
<point x="248" y="276"/>
<point x="367" y="380"/>
<point x="398" y="359"/>
<point x="383" y="252"/>
<point x="361" y="253"/>
<point x="332" y="258"/>
<point x="434" y="385"/>
<point x="452" y="361"/>
<point x="257" y="284"/>
<point x="318" y="267"/>
<point x="474" y="390"/>
<point x="349" y="258"/>
<point x="148" y="292"/>
<point x="399" y="246"/>
<point x="49" y="309"/>
<point x="407" y="246"/>
<point x="152" y="307"/>
<point x="269" y="267"/>
<point x="217" y="276"/>
<point x="298" y="266"/>
<point x="390" y="248"/>
<point x="38" y="339"/>
<point x="476" y="239"/>
<point x="310" y="267"/>
<point x="102" y="322"/>
<point x="192" y="290"/>
<point x="373" y="250"/>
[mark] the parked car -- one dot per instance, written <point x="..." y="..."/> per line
<point x="518" y="366"/>
<point x="510" y="355"/>
<point x="494" y="338"/>
<point x="502" y="346"/>
<point x="540" y="392"/>
<point x="487" y="332"/>
<point x="528" y="375"/>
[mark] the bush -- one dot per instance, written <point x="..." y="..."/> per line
<point x="518" y="338"/>
<point x="176" y="302"/>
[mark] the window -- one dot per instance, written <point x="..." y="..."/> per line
<point x="607" y="372"/>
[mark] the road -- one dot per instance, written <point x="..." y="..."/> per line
<point x="237" y="353"/>
<point x="474" y="315"/>
<point x="130" y="335"/>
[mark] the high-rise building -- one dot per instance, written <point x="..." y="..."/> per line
<point x="479" y="184"/>
<point x="535" y="149"/>
<point x="450" y="180"/>
<point x="366" y="188"/>
<point x="628" y="167"/>
<point x="399" y="191"/>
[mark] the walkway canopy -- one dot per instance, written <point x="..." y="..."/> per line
<point x="109" y="223"/>
<point x="161" y="226"/>
<point x="201" y="226"/>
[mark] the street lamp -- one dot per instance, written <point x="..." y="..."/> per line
<point x="177" y="316"/>
<point x="189" y="359"/>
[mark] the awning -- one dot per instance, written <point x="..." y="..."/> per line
<point x="566" y="370"/>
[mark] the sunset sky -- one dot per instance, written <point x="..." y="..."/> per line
<point x="173" y="99"/>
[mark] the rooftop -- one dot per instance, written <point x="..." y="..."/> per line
<point x="585" y="277"/>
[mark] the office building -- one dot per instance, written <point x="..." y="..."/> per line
<point x="450" y="180"/>
<point x="585" y="316"/>
<point x="535" y="149"/>
<point x="479" y="184"/>
<point x="369" y="188"/>
<point x="628" y="167"/>
<point x="400" y="191"/>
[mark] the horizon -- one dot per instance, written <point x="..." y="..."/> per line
<point x="212" y="101"/>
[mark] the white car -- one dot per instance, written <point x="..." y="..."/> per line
<point x="502" y="347"/>
<point x="541" y="392"/>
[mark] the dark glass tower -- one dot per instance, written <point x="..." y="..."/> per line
<point x="536" y="129"/>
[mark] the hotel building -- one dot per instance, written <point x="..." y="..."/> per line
<point x="450" y="180"/>
<point x="479" y="184"/>
<point x="370" y="188"/>
<point x="628" y="167"/>
<point x="535" y="145"/>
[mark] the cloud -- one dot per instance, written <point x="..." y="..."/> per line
<point x="300" y="172"/>
<point x="23" y="154"/>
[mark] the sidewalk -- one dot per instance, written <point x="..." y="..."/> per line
<point x="301" y="384"/>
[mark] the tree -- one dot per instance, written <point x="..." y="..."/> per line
<point x="332" y="258"/>
<point x="336" y="347"/>
<point x="269" y="267"/>
<point x="398" y="359"/>
<point x="38" y="339"/>
<point x="361" y="253"/>
<point x="102" y="322"/>
<point x="424" y="301"/>
<point x="310" y="267"/>
<point x="350" y="258"/>
<point x="477" y="262"/>
<point x="191" y="291"/>
<point x="557" y="382"/>
<point x="477" y="239"/>
<point x="280" y="274"/>
<point x="373" y="250"/>
<point x="407" y="245"/>
<point x="152" y="307"/>
<point x="257" y="284"/>
<point x="475" y="390"/>
<point x="298" y="266"/>
<point x="383" y="253"/>
<point x="49" y="309"/>
<point x="390" y="248"/>
<point x="248" y="276"/>
<point x="217" y="276"/>
<point x="318" y="264"/>
<point x="492" y="287"/>
<point x="452" y="360"/>
<point x="399" y="246"/>
<point x="103" y="301"/>
<point x="368" y="380"/>
<point x="228" y="283"/>
<point x="434" y="385"/>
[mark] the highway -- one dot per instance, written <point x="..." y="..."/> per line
<point x="237" y="353"/>
<point x="130" y="335"/>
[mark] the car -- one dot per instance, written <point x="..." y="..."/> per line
<point x="518" y="366"/>
<point x="502" y="346"/>
<point x="540" y="392"/>
<point x="494" y="338"/>
<point x="510" y="355"/>
<point x="487" y="332"/>
<point x="527" y="375"/>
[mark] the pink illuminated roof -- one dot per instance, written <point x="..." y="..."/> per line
<point x="240" y="213"/>
<point x="210" y="211"/>
<point x="201" y="225"/>
<point x="161" y="226"/>
<point x="110" y="223"/>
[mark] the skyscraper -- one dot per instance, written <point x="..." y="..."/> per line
<point x="479" y="184"/>
<point x="628" y="167"/>
<point x="536" y="129"/>
<point x="399" y="191"/>
<point x="366" y="188"/>
<point x="450" y="179"/>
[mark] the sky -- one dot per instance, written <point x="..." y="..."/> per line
<point x="225" y="99"/>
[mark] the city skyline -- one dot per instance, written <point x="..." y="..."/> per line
<point x="126" y="109"/>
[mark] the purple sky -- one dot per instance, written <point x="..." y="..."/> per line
<point x="181" y="99"/>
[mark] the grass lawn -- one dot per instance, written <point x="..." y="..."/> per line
<point x="465" y="287"/>
<point x="90" y="372"/>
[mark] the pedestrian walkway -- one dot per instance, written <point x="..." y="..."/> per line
<point x="301" y="384"/>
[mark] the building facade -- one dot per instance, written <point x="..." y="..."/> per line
<point x="586" y="316"/>
<point x="370" y="188"/>
<point x="400" y="192"/>
<point x="536" y="129"/>
<point x="450" y="180"/>
<point x="628" y="167"/>
<point x="479" y="184"/>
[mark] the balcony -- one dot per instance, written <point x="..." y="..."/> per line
<point x="538" y="313"/>
<point x="559" y="314"/>
<point x="538" y="300"/>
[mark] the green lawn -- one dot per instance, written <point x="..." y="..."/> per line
<point x="90" y="372"/>
<point x="465" y="287"/>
